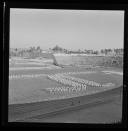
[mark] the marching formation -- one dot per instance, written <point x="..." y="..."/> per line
<point x="72" y="84"/>
<point x="72" y="81"/>
<point x="64" y="89"/>
<point x="25" y="76"/>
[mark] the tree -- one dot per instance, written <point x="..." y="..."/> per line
<point x="79" y="51"/>
<point x="105" y="51"/>
<point x="102" y="51"/>
<point x="38" y="48"/>
<point x="57" y="48"/>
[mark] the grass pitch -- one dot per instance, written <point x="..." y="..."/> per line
<point x="31" y="89"/>
<point x="26" y="90"/>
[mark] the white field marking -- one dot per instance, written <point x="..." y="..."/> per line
<point x="30" y="63"/>
<point x="88" y="72"/>
<point x="108" y="84"/>
<point x="107" y="73"/>
<point x="67" y="73"/>
<point x="113" y="72"/>
<point x="32" y="68"/>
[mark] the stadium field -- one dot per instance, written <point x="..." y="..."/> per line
<point x="29" y="84"/>
<point x="28" y="89"/>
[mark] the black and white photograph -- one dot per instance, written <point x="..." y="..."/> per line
<point x="65" y="66"/>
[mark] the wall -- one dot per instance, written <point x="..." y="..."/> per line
<point x="18" y="112"/>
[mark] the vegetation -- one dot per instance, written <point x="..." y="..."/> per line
<point x="37" y="51"/>
<point x="115" y="55"/>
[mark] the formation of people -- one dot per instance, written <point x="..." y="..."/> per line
<point x="72" y="84"/>
<point x="73" y="81"/>
<point x="25" y="76"/>
<point x="64" y="89"/>
<point x="40" y="75"/>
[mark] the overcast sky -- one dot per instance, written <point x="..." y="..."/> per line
<point x="71" y="29"/>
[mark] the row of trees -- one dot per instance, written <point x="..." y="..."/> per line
<point x="37" y="51"/>
<point x="102" y="51"/>
<point x="32" y="51"/>
<point x="116" y="51"/>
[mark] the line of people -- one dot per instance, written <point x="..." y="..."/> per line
<point x="73" y="81"/>
<point x="64" y="89"/>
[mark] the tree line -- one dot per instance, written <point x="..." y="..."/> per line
<point x="86" y="51"/>
<point x="37" y="51"/>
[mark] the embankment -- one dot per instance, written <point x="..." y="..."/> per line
<point x="19" y="112"/>
<point x="107" y="61"/>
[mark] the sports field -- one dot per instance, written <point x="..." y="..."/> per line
<point x="29" y="82"/>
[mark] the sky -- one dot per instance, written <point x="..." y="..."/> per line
<point x="70" y="29"/>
